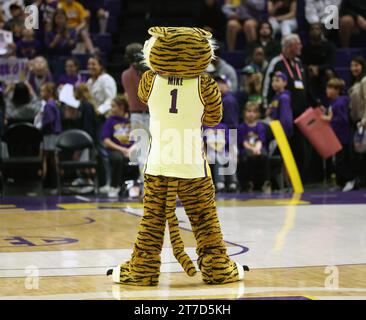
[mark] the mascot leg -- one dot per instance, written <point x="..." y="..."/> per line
<point x="143" y="269"/>
<point x="198" y="199"/>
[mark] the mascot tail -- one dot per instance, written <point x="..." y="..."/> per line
<point x="175" y="238"/>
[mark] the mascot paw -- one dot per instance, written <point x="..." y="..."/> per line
<point x="121" y="274"/>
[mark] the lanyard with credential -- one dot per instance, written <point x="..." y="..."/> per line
<point x="289" y="68"/>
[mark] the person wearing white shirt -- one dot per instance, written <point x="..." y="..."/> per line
<point x="103" y="89"/>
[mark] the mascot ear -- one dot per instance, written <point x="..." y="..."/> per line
<point x="159" y="32"/>
<point x="203" y="33"/>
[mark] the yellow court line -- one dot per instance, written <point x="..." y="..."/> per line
<point x="99" y="205"/>
<point x="6" y="206"/>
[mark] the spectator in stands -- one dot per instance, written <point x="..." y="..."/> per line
<point x="253" y="160"/>
<point x="86" y="119"/>
<point x="265" y="40"/>
<point x="116" y="138"/>
<point x="72" y="75"/>
<point x="358" y="110"/>
<point x="28" y="46"/>
<point x="211" y="18"/>
<point x="229" y="103"/>
<point x="258" y="60"/>
<point x="47" y="9"/>
<point x="353" y="17"/>
<point x="76" y="19"/>
<point x="319" y="57"/>
<point x="291" y="65"/>
<point x="251" y="85"/>
<point x="337" y="115"/>
<point x="315" y="10"/>
<point x="219" y="154"/>
<point x="282" y="16"/>
<point x="49" y="121"/>
<point x="61" y="40"/>
<point x="98" y="15"/>
<point x="21" y="103"/>
<point x="17" y="17"/>
<point x="280" y="107"/>
<point x="103" y="89"/>
<point x="39" y="73"/>
<point x="220" y="67"/>
<point x="245" y="18"/>
<point x="130" y="81"/>
<point x="2" y="18"/>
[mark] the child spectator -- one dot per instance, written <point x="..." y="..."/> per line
<point x="76" y="19"/>
<point x="280" y="107"/>
<point x="282" y="16"/>
<point x="229" y="102"/>
<point x="87" y="118"/>
<point x="39" y="73"/>
<point x="337" y="115"/>
<point x="28" y="46"/>
<point x="218" y="153"/>
<point x="253" y="159"/>
<point x="116" y="137"/>
<point x="72" y="75"/>
<point x="49" y="121"/>
<point x="21" y="103"/>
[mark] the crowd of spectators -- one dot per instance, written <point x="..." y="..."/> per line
<point x="284" y="71"/>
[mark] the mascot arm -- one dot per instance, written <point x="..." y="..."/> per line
<point x="211" y="97"/>
<point x="145" y="86"/>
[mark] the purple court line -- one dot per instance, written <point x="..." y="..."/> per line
<point x="88" y="221"/>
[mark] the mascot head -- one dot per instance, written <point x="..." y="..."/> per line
<point x="178" y="51"/>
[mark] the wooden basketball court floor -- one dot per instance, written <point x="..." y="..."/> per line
<point x="310" y="246"/>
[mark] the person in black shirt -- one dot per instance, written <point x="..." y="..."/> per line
<point x="319" y="57"/>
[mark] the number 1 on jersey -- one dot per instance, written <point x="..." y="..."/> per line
<point x="173" y="107"/>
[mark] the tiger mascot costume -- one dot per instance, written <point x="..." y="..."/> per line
<point x="180" y="98"/>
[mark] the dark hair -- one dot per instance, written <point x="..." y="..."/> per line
<point x="360" y="60"/>
<point x="99" y="59"/>
<point x="133" y="52"/>
<point x="261" y="23"/>
<point x="121" y="101"/>
<point x="21" y="95"/>
<point x="59" y="11"/>
<point x="75" y="61"/>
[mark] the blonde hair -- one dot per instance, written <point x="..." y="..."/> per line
<point x="50" y="88"/>
<point x="121" y="101"/>
<point x="82" y="92"/>
<point x="336" y="83"/>
<point x="255" y="85"/>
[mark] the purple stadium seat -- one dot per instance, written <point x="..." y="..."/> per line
<point x="113" y="7"/>
<point x="102" y="41"/>
<point x="345" y="74"/>
<point x="344" y="56"/>
<point x="235" y="58"/>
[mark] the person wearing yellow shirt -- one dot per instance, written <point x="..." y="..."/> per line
<point x="76" y="19"/>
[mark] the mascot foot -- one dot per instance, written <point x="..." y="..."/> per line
<point x="121" y="274"/>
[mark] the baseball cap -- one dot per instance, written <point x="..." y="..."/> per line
<point x="249" y="69"/>
<point x="280" y="75"/>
